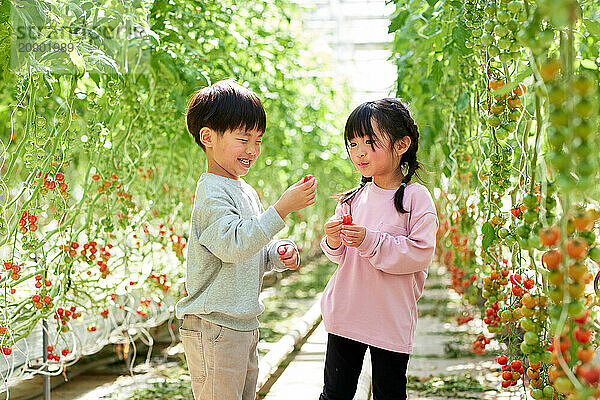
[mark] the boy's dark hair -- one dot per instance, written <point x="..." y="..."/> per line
<point x="393" y="119"/>
<point x="222" y="106"/>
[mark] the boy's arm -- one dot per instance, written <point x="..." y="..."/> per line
<point x="273" y="262"/>
<point x="227" y="235"/>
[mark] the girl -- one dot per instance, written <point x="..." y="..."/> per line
<point x="383" y="252"/>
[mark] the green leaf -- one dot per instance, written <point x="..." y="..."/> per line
<point x="489" y="234"/>
<point x="460" y="35"/>
<point x="77" y="61"/>
<point x="589" y="64"/>
<point x="397" y="20"/>
<point x="592" y="26"/>
<point x="463" y="101"/>
<point x="437" y="72"/>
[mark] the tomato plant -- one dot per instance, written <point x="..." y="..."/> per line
<point x="506" y="95"/>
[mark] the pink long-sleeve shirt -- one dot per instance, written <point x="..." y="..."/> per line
<point x="372" y="296"/>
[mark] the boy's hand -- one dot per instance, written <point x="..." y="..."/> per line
<point x="353" y="235"/>
<point x="296" y="197"/>
<point x="288" y="256"/>
<point x="333" y="229"/>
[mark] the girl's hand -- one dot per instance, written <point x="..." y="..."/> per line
<point x="353" y="235"/>
<point x="333" y="228"/>
<point x="287" y="255"/>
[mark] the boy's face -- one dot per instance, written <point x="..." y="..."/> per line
<point x="232" y="154"/>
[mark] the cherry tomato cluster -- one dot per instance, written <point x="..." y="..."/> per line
<point x="55" y="357"/>
<point x="161" y="280"/>
<point x="479" y="344"/>
<point x="27" y="223"/>
<point x="39" y="304"/>
<point x="92" y="248"/>
<point x="15" y="270"/>
<point x="52" y="184"/>
<point x="511" y="372"/>
<point x="106" y="186"/>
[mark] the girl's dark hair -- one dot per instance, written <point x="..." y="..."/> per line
<point x="225" y="105"/>
<point x="392" y="118"/>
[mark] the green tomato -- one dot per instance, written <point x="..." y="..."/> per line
<point x="501" y="30"/>
<point x="503" y="43"/>
<point x="487" y="40"/>
<point x="575" y="308"/>
<point x="490" y="9"/>
<point x="563" y="384"/>
<point x="503" y="232"/>
<point x="514" y="115"/>
<point x="589" y="237"/>
<point x="546" y="357"/>
<point x="531" y="338"/>
<point x="501" y="133"/>
<point x="583" y="129"/>
<point x="523" y="231"/>
<point x="512" y="25"/>
<point x="594" y="253"/>
<point x="493" y="51"/>
<point x="582" y="148"/>
<point x="527" y="325"/>
<point x="530" y="201"/>
<point x="525" y="348"/>
<point x="493" y="121"/>
<point x="535" y="358"/>
<point x="548" y="392"/>
<point x="550" y="201"/>
<point x="502" y="16"/>
<point x="511" y="126"/>
<point x="559" y="161"/>
<point x="530" y="216"/>
<point x="489" y="26"/>
<point x="510" y="241"/>
<point x="515" y="7"/>
<point x="536" y="394"/>
<point x="534" y="242"/>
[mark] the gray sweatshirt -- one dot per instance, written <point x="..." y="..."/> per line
<point x="230" y="247"/>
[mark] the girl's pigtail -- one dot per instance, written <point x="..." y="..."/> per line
<point x="409" y="158"/>
<point x="346" y="197"/>
<point x="413" y="165"/>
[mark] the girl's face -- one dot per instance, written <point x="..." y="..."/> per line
<point x="374" y="158"/>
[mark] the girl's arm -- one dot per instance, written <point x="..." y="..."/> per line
<point x="402" y="254"/>
<point x="335" y="255"/>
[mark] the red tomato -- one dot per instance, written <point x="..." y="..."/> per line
<point x="347" y="219"/>
<point x="307" y="178"/>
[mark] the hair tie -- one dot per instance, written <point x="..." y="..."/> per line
<point x="403" y="184"/>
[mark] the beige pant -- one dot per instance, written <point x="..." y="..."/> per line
<point x="223" y="362"/>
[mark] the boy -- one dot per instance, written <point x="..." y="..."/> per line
<point x="230" y="245"/>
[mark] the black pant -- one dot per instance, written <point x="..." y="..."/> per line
<point x="343" y="363"/>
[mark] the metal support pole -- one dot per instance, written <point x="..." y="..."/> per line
<point x="47" y="385"/>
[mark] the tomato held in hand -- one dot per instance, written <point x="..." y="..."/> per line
<point x="307" y="178"/>
<point x="347" y="219"/>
